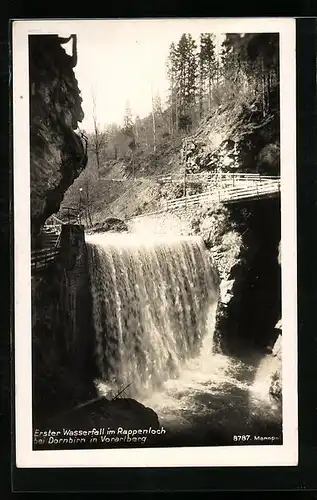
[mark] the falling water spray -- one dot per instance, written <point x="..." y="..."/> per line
<point x="152" y="307"/>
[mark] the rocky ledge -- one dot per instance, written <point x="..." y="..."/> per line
<point x="58" y="153"/>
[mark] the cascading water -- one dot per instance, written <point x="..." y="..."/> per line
<point x="154" y="307"/>
<point x="153" y="304"/>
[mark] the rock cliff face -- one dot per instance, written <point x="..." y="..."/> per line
<point x="58" y="154"/>
<point x="63" y="344"/>
<point x="249" y="316"/>
<point x="236" y="136"/>
<point x="243" y="238"/>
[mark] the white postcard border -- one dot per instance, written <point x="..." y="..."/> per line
<point x="269" y="455"/>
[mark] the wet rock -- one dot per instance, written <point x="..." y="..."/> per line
<point x="276" y="386"/>
<point x="226" y="294"/>
<point x="278" y="325"/>
<point x="63" y="344"/>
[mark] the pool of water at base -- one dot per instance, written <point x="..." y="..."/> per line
<point x="217" y="400"/>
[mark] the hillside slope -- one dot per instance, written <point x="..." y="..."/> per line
<point x="235" y="136"/>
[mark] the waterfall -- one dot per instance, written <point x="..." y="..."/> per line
<point x="153" y="306"/>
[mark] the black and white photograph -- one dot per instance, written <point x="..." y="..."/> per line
<point x="155" y="242"/>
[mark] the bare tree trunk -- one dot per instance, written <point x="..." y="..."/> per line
<point x="133" y="164"/>
<point x="176" y="114"/>
<point x="98" y="140"/>
<point x="89" y="217"/>
<point x="154" y="133"/>
<point x="185" y="167"/>
<point x="268" y="89"/>
<point x="153" y="122"/>
<point x="172" y="109"/>
<point x="171" y="130"/>
<point x="201" y="93"/>
<point x="209" y="89"/>
<point x="97" y="159"/>
<point x="88" y="204"/>
<point x="217" y="72"/>
<point x="263" y="87"/>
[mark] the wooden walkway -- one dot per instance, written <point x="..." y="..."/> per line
<point x="224" y="188"/>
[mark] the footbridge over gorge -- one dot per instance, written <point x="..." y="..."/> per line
<point x="224" y="188"/>
<point x="231" y="188"/>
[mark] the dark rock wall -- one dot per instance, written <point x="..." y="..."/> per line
<point x="63" y="335"/>
<point x="249" y="319"/>
<point x="58" y="154"/>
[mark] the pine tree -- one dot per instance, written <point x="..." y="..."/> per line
<point x="183" y="71"/>
<point x="128" y="121"/>
<point x="158" y="106"/>
<point x="254" y="57"/>
<point x="153" y="122"/>
<point x="192" y="73"/>
<point x="260" y="55"/>
<point x="172" y="72"/>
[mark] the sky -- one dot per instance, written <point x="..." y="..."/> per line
<point x="122" y="61"/>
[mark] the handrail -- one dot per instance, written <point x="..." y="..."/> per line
<point x="42" y="251"/>
<point x="264" y="186"/>
<point x="43" y="257"/>
<point x="196" y="176"/>
<point x="198" y="201"/>
<point x="219" y="175"/>
<point x="36" y="254"/>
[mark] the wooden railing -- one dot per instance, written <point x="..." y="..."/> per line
<point x="243" y="189"/>
<point x="41" y="259"/>
<point x="256" y="190"/>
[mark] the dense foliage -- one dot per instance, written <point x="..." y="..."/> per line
<point x="200" y="78"/>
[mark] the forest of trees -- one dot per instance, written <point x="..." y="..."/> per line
<point x="200" y="79"/>
<point x="245" y="70"/>
<point x="198" y="76"/>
